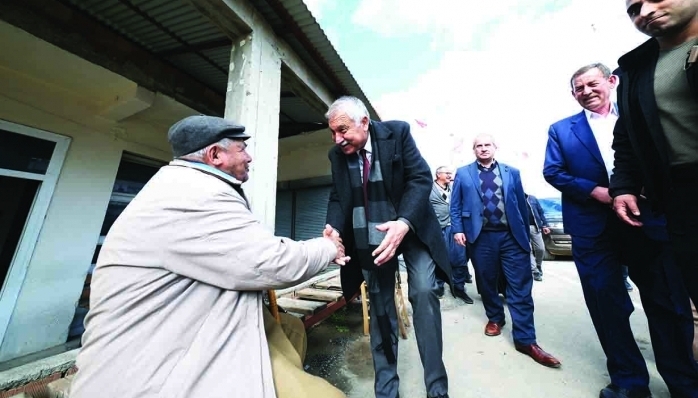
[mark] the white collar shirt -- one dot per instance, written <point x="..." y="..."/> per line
<point x="602" y="128"/>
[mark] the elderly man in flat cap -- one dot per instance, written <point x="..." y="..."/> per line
<point x="176" y="306"/>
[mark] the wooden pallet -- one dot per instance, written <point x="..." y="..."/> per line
<point x="314" y="300"/>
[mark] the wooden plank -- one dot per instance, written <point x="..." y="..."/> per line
<point x="364" y="307"/>
<point x="319" y="295"/>
<point x="309" y="282"/>
<point x="305" y="307"/>
<point x="333" y="283"/>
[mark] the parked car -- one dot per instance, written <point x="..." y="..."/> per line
<point x="557" y="243"/>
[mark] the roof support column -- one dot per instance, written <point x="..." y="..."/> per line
<point x="253" y="99"/>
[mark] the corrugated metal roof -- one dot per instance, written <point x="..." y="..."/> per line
<point x="170" y="28"/>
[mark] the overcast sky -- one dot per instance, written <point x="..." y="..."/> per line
<point x="502" y="68"/>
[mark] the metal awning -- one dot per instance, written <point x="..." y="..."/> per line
<point x="174" y="31"/>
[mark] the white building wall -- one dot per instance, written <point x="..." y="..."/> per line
<point x="63" y="253"/>
<point x="304" y="156"/>
<point x="70" y="97"/>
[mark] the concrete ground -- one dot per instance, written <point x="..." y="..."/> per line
<point x="481" y="366"/>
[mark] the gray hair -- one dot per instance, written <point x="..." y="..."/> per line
<point x="586" y="68"/>
<point x="352" y="106"/>
<point x="439" y="170"/>
<point x="199" y="155"/>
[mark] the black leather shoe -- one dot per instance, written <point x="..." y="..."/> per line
<point x="461" y="294"/>
<point x="613" y="391"/>
<point x="437" y="396"/>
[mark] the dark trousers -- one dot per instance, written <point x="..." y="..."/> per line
<point x="421" y="285"/>
<point x="458" y="256"/>
<point x="682" y="224"/>
<point x="496" y="251"/>
<point x="599" y="262"/>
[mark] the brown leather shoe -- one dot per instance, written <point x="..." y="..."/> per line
<point x="494" y="328"/>
<point x="534" y="351"/>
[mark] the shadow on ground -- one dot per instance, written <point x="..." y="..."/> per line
<point x="338" y="351"/>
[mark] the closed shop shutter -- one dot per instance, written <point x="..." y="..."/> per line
<point x="311" y="212"/>
<point x="284" y="214"/>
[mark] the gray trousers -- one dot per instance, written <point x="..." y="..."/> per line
<point x="426" y="309"/>
<point x="538" y="251"/>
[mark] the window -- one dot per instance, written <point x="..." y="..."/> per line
<point x="25" y="153"/>
<point x="30" y="162"/>
<point x="134" y="172"/>
<point x="15" y="207"/>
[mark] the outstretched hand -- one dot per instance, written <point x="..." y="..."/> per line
<point x="395" y="233"/>
<point x="331" y="234"/>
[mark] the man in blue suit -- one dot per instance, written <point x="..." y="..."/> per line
<point x="579" y="161"/>
<point x="490" y="213"/>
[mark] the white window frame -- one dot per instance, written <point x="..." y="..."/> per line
<point x="19" y="264"/>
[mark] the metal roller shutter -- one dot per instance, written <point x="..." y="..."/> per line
<point x="284" y="214"/>
<point x="311" y="212"/>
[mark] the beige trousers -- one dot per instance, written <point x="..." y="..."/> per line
<point x="287" y="348"/>
<point x="695" y="331"/>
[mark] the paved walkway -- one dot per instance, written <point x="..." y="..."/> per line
<point x="481" y="366"/>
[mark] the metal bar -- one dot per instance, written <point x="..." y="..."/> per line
<point x="206" y="45"/>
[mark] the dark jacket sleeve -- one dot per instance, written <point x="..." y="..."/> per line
<point x="457" y="204"/>
<point x="521" y="199"/>
<point x="541" y="213"/>
<point x="417" y="181"/>
<point x="627" y="174"/>
<point x="335" y="217"/>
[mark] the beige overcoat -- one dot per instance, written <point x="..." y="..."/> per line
<point x="176" y="300"/>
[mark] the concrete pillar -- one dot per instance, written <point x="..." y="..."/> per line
<point x="253" y="99"/>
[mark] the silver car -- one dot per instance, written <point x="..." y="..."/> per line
<point x="557" y="243"/>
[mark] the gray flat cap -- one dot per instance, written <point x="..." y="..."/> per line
<point x="195" y="132"/>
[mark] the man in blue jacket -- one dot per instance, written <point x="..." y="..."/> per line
<point x="578" y="162"/>
<point x="488" y="209"/>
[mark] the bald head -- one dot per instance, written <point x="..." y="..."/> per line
<point x="484" y="148"/>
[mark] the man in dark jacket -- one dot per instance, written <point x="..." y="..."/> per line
<point x="538" y="226"/>
<point x="379" y="205"/>
<point x="579" y="159"/>
<point x="656" y="137"/>
<point x="440" y="199"/>
<point x="655" y="177"/>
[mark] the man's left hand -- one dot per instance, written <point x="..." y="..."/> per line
<point x="546" y="230"/>
<point x="395" y="233"/>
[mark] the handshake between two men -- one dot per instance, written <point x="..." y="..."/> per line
<point x="394" y="231"/>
